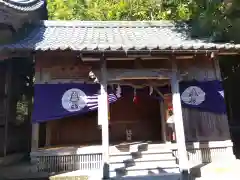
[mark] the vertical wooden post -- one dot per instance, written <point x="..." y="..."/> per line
<point x="103" y="115"/>
<point x="30" y="107"/>
<point x="35" y="136"/>
<point x="163" y="115"/>
<point x="48" y="134"/>
<point x="178" y="120"/>
<point x="163" y="120"/>
<point x="216" y="67"/>
<point x="7" y="101"/>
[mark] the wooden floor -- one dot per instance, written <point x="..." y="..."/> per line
<point x="99" y="144"/>
<point x="113" y="148"/>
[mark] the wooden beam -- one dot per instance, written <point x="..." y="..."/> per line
<point x="140" y="78"/>
<point x="103" y="115"/>
<point x="135" y="85"/>
<point x="228" y="53"/>
<point x="158" y="92"/>
<point x="178" y="120"/>
<point x="120" y="74"/>
<point x="132" y="58"/>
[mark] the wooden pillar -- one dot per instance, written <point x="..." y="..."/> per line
<point x="178" y="120"/>
<point x="7" y="103"/>
<point x="48" y="134"/>
<point x="35" y="136"/>
<point x="216" y="66"/>
<point x="163" y="115"/>
<point x="30" y="107"/>
<point x="163" y="120"/>
<point x="103" y="118"/>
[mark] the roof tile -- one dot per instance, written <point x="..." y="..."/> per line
<point x="23" y="5"/>
<point x="112" y="35"/>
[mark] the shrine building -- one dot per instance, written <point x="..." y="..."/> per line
<point x="103" y="91"/>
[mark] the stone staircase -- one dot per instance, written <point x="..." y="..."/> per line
<point x="143" y="159"/>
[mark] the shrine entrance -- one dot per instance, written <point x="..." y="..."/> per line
<point x="136" y="116"/>
<point x="140" y="113"/>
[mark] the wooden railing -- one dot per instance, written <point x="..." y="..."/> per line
<point x="206" y="155"/>
<point x="64" y="163"/>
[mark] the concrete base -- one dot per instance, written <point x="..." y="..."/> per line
<point x="65" y="159"/>
<point x="96" y="175"/>
<point x="222" y="168"/>
<point x="11" y="159"/>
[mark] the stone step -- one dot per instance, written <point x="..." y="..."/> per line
<point x="149" y="151"/>
<point x="151" y="171"/>
<point x="130" y="165"/>
<point x="142" y="158"/>
<point x="139" y="171"/>
<point x="120" y="159"/>
<point x="153" y="164"/>
<point x="134" y="147"/>
<point x="158" y="157"/>
<point x="165" y="176"/>
<point x="168" y="146"/>
<point x="146" y="155"/>
<point x="153" y="155"/>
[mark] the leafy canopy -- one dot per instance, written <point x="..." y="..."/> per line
<point x="211" y="18"/>
<point x="121" y="9"/>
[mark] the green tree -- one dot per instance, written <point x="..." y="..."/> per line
<point x="209" y="18"/>
<point x="120" y="9"/>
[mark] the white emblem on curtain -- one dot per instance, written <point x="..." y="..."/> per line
<point x="74" y="100"/>
<point x="221" y="93"/>
<point x="193" y="95"/>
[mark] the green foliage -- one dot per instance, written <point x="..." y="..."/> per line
<point x="59" y="9"/>
<point x="119" y="9"/>
<point x="210" y="18"/>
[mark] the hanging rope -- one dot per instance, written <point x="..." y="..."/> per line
<point x="150" y="90"/>
<point x="118" y="91"/>
<point x="135" y="96"/>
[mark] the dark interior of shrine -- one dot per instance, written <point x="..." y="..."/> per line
<point x="230" y="70"/>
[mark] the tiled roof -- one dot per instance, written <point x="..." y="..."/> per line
<point x="23" y="5"/>
<point x="112" y="36"/>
